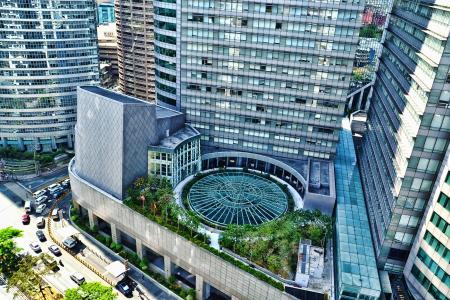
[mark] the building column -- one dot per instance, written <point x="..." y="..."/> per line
<point x="139" y="248"/>
<point x="350" y="103"/>
<point x="69" y="141"/>
<point x="167" y="266"/>
<point x="114" y="236"/>
<point x="20" y="144"/>
<point x="358" y="104"/>
<point x="234" y="297"/>
<point x="369" y="97"/>
<point x="93" y="221"/>
<point x="199" y="287"/>
<point x="54" y="146"/>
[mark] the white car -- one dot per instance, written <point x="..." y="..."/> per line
<point x="40" y="209"/>
<point x="39" y="193"/>
<point x="69" y="242"/>
<point x="40" y="200"/>
<point x="53" y="188"/>
<point x="35" y="247"/>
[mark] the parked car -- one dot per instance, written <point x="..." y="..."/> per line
<point x="55" y="250"/>
<point x="39" y="193"/>
<point x="54" y="187"/>
<point x="77" y="278"/>
<point x="41" y="236"/>
<point x="40" y="200"/>
<point x="70" y="242"/>
<point x="66" y="183"/>
<point x="124" y="288"/>
<point x="40" y="209"/>
<point x="56" y="194"/>
<point x="27" y="207"/>
<point x="50" y="262"/>
<point x="55" y="215"/>
<point x="35" y="247"/>
<point x="26" y="219"/>
<point x="40" y="222"/>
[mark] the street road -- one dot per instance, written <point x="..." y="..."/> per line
<point x="36" y="183"/>
<point x="12" y="197"/>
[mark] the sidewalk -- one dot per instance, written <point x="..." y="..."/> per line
<point x="151" y="288"/>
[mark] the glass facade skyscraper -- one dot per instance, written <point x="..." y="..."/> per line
<point x="427" y="270"/>
<point x="47" y="49"/>
<point x="409" y="126"/>
<point x="255" y="77"/>
<point x="267" y="77"/>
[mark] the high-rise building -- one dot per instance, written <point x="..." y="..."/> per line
<point x="409" y="126"/>
<point x="135" y="51"/>
<point x="107" y="46"/>
<point x="47" y="49"/>
<point x="427" y="270"/>
<point x="268" y="78"/>
<point x="255" y="77"/>
<point x="105" y="13"/>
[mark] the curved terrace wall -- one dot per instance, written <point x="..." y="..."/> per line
<point x="214" y="270"/>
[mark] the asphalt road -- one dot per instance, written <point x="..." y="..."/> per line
<point x="37" y="183"/>
<point x="11" y="210"/>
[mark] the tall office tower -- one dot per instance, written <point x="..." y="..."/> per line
<point x="409" y="126"/>
<point x="427" y="271"/>
<point x="269" y="78"/>
<point x="47" y="49"/>
<point x="134" y="20"/>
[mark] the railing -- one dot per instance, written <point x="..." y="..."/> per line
<point x="71" y="252"/>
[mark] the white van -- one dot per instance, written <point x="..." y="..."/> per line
<point x="55" y="215"/>
<point x="39" y="193"/>
<point x="53" y="189"/>
<point x="28" y="207"/>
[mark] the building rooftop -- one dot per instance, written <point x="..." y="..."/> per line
<point x="162" y="112"/>
<point x="355" y="256"/>
<point x="113" y="95"/>
<point x="175" y="139"/>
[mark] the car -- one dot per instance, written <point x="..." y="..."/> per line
<point x="56" y="194"/>
<point x="41" y="236"/>
<point x="54" y="187"/>
<point x="77" y="278"/>
<point x="26" y="219"/>
<point x="50" y="262"/>
<point x="40" y="209"/>
<point x="66" y="183"/>
<point x="124" y="288"/>
<point x="55" y="250"/>
<point x="28" y="207"/>
<point x="40" y="200"/>
<point x="69" y="242"/>
<point x="39" y="193"/>
<point x="55" y="215"/>
<point x="35" y="247"/>
<point x="40" y="222"/>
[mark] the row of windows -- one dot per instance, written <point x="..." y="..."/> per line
<point x="444" y="200"/>
<point x="426" y="283"/>
<point x="440" y="223"/>
<point x="322" y="45"/>
<point x="265" y="68"/>
<point x="437" y="246"/>
<point x="269" y="97"/>
<point x="268" y="8"/>
<point x="261" y="121"/>
<point x="434" y="267"/>
<point x="307" y="88"/>
<point x="239" y="22"/>
<point x="243" y="52"/>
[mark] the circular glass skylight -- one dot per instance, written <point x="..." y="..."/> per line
<point x="234" y="197"/>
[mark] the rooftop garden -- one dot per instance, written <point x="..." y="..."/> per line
<point x="273" y="245"/>
<point x="370" y="31"/>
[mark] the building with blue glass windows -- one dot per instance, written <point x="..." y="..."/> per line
<point x="408" y="128"/>
<point x="48" y="49"/>
<point x="105" y="13"/>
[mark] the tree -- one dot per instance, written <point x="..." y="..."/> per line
<point x="28" y="275"/>
<point x="8" y="250"/>
<point x="90" y="291"/>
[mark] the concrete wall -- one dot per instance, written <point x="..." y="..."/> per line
<point x="206" y="266"/>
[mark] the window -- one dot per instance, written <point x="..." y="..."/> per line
<point x="408" y="221"/>
<point x="444" y="201"/>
